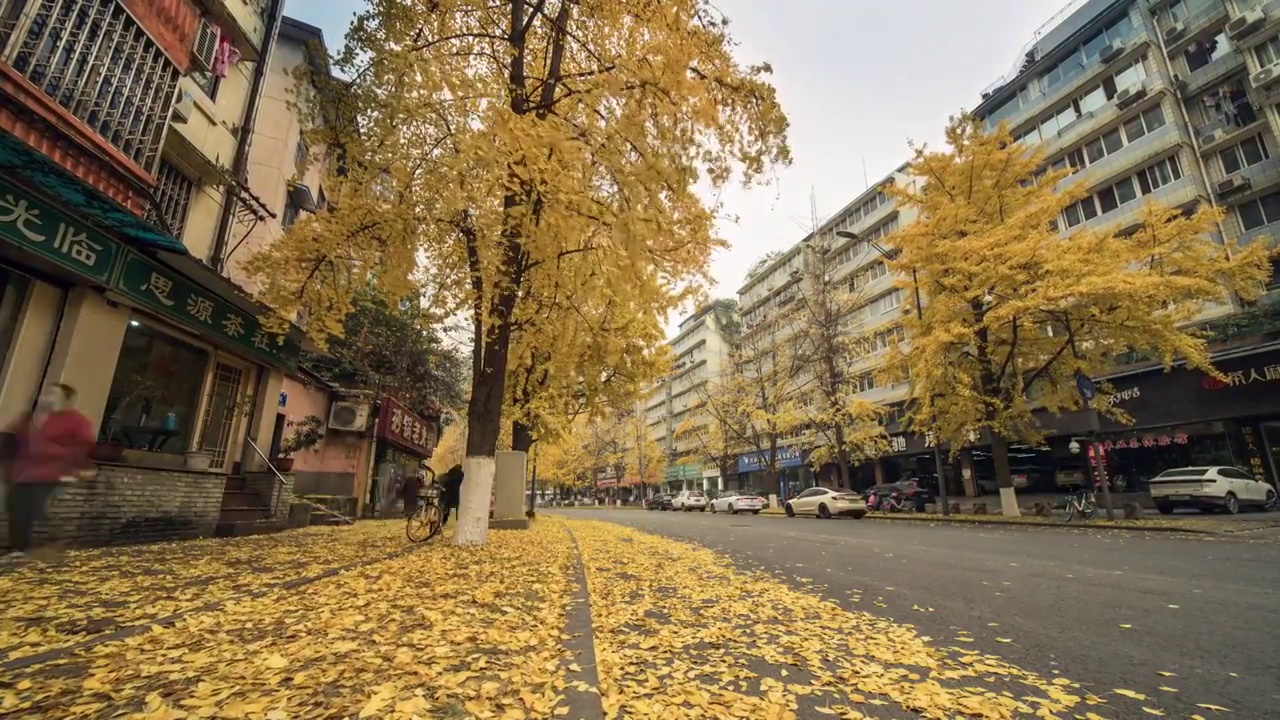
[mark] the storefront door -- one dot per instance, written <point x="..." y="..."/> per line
<point x="1271" y="437"/>
<point x="222" y="411"/>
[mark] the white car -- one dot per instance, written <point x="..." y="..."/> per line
<point x="689" y="500"/>
<point x="1210" y="488"/>
<point x="824" y="503"/>
<point x="736" y="502"/>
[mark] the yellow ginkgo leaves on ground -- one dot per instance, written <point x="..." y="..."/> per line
<point x="90" y="592"/>
<point x="681" y="633"/>
<point x="436" y="632"/>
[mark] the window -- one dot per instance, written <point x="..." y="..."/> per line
<point x="155" y="392"/>
<point x="889" y="302"/>
<point x="208" y="83"/>
<point x="290" y="214"/>
<point x="1113" y="196"/>
<point x="1135" y="73"/>
<point x="1109" y="142"/>
<point x="1268" y="53"/>
<point x="1261" y="211"/>
<point x="172" y="199"/>
<point x="1248" y="153"/>
<point x="300" y="153"/>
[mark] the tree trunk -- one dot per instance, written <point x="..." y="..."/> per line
<point x="1004" y="476"/>
<point x="484" y="424"/>
<point x="842" y="460"/>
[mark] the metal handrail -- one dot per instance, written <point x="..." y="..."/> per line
<point x="280" y="483"/>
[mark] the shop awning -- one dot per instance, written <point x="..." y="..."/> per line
<point x="19" y="162"/>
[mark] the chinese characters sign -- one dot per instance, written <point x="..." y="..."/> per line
<point x="1239" y="378"/>
<point x="45" y="231"/>
<point x="1146" y="441"/>
<point x="170" y="294"/>
<point x="755" y="462"/>
<point x="1254" y="454"/>
<point x="404" y="428"/>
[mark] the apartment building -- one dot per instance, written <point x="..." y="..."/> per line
<point x="673" y="409"/>
<point x="849" y="248"/>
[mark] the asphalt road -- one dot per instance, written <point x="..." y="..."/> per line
<point x="1108" y="609"/>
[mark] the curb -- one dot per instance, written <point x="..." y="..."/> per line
<point x="581" y="645"/>
<point x="1027" y="523"/>
<point x="129" y="631"/>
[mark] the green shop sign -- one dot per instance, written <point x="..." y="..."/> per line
<point x="43" y="230"/>
<point x="683" y="471"/>
<point x="170" y="294"/>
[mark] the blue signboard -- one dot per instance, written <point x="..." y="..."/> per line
<point x="756" y="462"/>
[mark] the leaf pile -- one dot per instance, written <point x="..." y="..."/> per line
<point x="681" y="633"/>
<point x="90" y="592"/>
<point x="439" y="632"/>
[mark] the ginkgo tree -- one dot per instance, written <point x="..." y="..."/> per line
<point x="832" y="355"/>
<point x="755" y="405"/>
<point x="479" y="142"/>
<point x="1016" y="310"/>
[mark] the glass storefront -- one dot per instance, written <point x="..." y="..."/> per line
<point x="155" y="392"/>
<point x="1132" y="459"/>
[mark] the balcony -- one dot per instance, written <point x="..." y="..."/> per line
<point x="1206" y="14"/>
<point x="1128" y="159"/>
<point x="88" y="67"/>
<point x="1087" y="73"/>
<point x="200" y="145"/>
<point x="1217" y="69"/>
<point x="240" y="20"/>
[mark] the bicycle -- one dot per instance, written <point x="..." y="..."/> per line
<point x="426" y="521"/>
<point x="1081" y="502"/>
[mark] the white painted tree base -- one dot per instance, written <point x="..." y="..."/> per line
<point x="1009" y="503"/>
<point x="473" y="505"/>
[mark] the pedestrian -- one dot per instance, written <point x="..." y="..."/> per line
<point x="411" y="490"/>
<point x="450" y="493"/>
<point x="52" y="447"/>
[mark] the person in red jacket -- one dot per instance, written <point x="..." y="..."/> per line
<point x="53" y="445"/>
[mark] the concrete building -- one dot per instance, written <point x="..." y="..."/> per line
<point x="672" y="410"/>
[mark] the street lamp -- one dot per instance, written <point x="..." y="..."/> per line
<point x="915" y="285"/>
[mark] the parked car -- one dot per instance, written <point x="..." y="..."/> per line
<point x="1210" y="488"/>
<point x="661" y="501"/>
<point x="689" y="500"/>
<point x="734" y="502"/>
<point x="825" y="502"/>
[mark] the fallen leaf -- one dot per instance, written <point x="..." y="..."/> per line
<point x="1166" y="673"/>
<point x="1003" y="640"/>
<point x="1215" y="708"/>
<point x="1166" y="688"/>
<point x="1126" y="627"/>
<point x="1152" y="711"/>
<point x="1130" y="694"/>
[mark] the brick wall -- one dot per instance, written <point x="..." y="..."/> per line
<point x="270" y="489"/>
<point x="131" y="505"/>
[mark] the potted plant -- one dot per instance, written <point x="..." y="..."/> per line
<point x="198" y="459"/>
<point x="307" y="433"/>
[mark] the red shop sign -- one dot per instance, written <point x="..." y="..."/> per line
<point x="406" y="429"/>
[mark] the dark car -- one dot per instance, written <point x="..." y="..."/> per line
<point x="662" y="501"/>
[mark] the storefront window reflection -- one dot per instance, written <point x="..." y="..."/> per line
<point x="1132" y="459"/>
<point x="155" y="392"/>
<point x="13" y="294"/>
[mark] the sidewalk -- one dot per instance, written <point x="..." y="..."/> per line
<point x="493" y="632"/>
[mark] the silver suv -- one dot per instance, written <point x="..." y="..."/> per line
<point x="689" y="500"/>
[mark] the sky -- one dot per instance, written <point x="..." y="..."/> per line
<point x="857" y="78"/>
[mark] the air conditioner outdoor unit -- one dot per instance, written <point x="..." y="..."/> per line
<point x="1265" y="76"/>
<point x="1212" y="137"/>
<point x="1246" y="24"/>
<point x="1111" y="51"/>
<point x="1174" y="31"/>
<point x="1233" y="185"/>
<point x="1130" y="95"/>
<point x="183" y="108"/>
<point x="349" y="416"/>
<point x="205" y="46"/>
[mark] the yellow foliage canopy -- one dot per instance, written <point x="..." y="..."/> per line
<point x="483" y="144"/>
<point x="1015" y="309"/>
